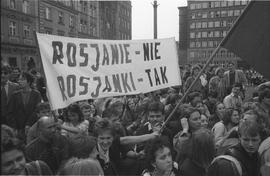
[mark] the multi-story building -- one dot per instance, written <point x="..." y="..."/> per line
<point x="115" y="20"/>
<point x="18" y="23"/>
<point x="72" y="18"/>
<point x="205" y="24"/>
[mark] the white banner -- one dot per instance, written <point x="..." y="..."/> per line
<point x="78" y="69"/>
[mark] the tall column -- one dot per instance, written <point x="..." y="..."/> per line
<point x="155" y="18"/>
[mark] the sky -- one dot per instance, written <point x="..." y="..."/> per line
<point x="167" y="18"/>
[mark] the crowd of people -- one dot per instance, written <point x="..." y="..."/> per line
<point x="215" y="131"/>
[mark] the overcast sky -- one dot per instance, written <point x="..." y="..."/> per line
<point x="167" y="18"/>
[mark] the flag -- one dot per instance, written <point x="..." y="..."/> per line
<point x="249" y="38"/>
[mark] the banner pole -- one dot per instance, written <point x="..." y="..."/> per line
<point x="191" y="86"/>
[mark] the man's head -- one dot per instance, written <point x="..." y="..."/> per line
<point x="15" y="73"/>
<point x="236" y="89"/>
<point x="47" y="127"/>
<point x="231" y="67"/>
<point x="43" y="109"/>
<point x="155" y="113"/>
<point x="250" y="135"/>
<point x="12" y="157"/>
<point x="5" y="73"/>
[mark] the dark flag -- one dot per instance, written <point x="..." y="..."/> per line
<point x="249" y="38"/>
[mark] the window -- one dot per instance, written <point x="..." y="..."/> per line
<point x="204" y="24"/>
<point x="199" y="14"/>
<point x="204" y="34"/>
<point x="217" y="13"/>
<point x="224" y="33"/>
<point x="192" y="25"/>
<point x="192" y="54"/>
<point x="230" y="3"/>
<point x="212" y="4"/>
<point x="12" y="4"/>
<point x="230" y="13"/>
<point x="223" y="23"/>
<point x="237" y="2"/>
<point x="192" y="44"/>
<point x="210" y="24"/>
<point x="230" y="23"/>
<point x="198" y="25"/>
<point x="217" y="34"/>
<point x="204" y="44"/>
<point x="48" y="32"/>
<point x="198" y="44"/>
<point x="217" y="23"/>
<point x="12" y="28"/>
<point x="71" y="21"/>
<point x="204" y="5"/>
<point x="223" y="13"/>
<point x="204" y="15"/>
<point x="192" y="6"/>
<point x="25" y="6"/>
<point x="198" y="6"/>
<point x="192" y="35"/>
<point x="216" y="43"/>
<point x="244" y="2"/>
<point x="236" y="12"/>
<point x="48" y="13"/>
<point x="193" y="16"/>
<point x="210" y="33"/>
<point x="199" y="34"/>
<point x="223" y="3"/>
<point x="212" y="14"/>
<point x="210" y="43"/>
<point x="217" y="4"/>
<point x="60" y="18"/>
<point x="26" y="31"/>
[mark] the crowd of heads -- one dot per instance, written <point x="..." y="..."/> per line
<point x="93" y="125"/>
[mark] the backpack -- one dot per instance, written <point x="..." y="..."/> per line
<point x="227" y="144"/>
<point x="235" y="163"/>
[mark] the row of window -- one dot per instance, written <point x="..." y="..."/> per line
<point x="13" y="29"/>
<point x="61" y="20"/>
<point x="214" y="4"/>
<point x="204" y="44"/>
<point x="25" y="5"/>
<point x="216" y="14"/>
<point x="207" y="34"/>
<point x="211" y="24"/>
<point x="125" y="24"/>
<point x="207" y="54"/>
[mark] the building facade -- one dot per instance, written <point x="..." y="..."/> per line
<point x="18" y="23"/>
<point x="115" y="20"/>
<point x="71" y="18"/>
<point x="206" y="24"/>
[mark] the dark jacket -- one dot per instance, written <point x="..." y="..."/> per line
<point x="250" y="164"/>
<point x="12" y="87"/>
<point x="191" y="168"/>
<point x="20" y="112"/>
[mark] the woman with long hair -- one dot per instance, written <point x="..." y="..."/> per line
<point x="191" y="122"/>
<point x="200" y="152"/>
<point x="217" y="116"/>
<point x="222" y="128"/>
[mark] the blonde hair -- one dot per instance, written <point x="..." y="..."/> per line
<point x="82" y="167"/>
